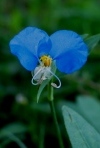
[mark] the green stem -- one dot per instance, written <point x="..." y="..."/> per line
<point x="50" y="90"/>
<point x="41" y="136"/>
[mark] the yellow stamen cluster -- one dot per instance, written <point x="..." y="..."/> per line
<point x="46" y="60"/>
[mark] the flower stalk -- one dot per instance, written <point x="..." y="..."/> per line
<point x="50" y="97"/>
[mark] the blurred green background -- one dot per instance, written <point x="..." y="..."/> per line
<point x="22" y="120"/>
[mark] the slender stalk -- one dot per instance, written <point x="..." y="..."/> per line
<point x="50" y="90"/>
<point x="41" y="136"/>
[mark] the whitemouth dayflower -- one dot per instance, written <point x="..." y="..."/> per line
<point x="36" y="51"/>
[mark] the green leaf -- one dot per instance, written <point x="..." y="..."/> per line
<point x="90" y="108"/>
<point x="45" y="82"/>
<point x="92" y="41"/>
<point x="42" y="86"/>
<point x="81" y="133"/>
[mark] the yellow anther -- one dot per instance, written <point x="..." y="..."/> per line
<point x="46" y="60"/>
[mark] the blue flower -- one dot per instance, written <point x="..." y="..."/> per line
<point x="36" y="51"/>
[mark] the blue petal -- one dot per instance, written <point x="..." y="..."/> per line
<point x="26" y="58"/>
<point x="71" y="61"/>
<point x="63" y="41"/>
<point x="69" y="51"/>
<point x="34" y="40"/>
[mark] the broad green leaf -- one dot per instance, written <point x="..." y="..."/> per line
<point x="90" y="108"/>
<point x="45" y="82"/>
<point x="81" y="133"/>
<point x="86" y="106"/>
<point x="92" y="41"/>
<point x="62" y="102"/>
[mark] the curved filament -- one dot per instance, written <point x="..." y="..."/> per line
<point x="38" y="82"/>
<point x="53" y="84"/>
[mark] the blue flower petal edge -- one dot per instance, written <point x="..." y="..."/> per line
<point x="28" y="45"/>
<point x="69" y="51"/>
<point x="65" y="47"/>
